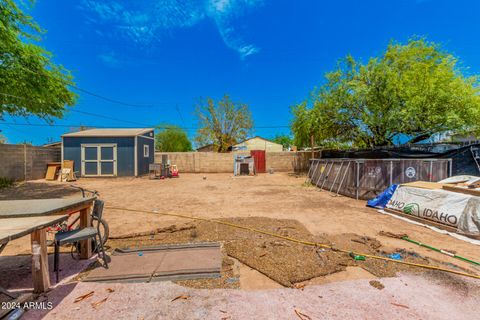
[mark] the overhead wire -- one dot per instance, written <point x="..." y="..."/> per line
<point x="117" y="119"/>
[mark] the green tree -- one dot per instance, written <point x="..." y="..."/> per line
<point x="3" y="139"/>
<point x="284" y="139"/>
<point x="30" y="83"/>
<point x="411" y="91"/>
<point x="222" y="123"/>
<point x="172" y="138"/>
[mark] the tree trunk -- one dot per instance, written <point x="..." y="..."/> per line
<point x="420" y="138"/>
<point x="312" y="142"/>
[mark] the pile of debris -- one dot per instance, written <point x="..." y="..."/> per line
<point x="283" y="261"/>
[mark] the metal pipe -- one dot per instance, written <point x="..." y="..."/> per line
<point x="343" y="178"/>
<point x="321" y="173"/>
<point x="326" y="176"/>
<point x="358" y="178"/>
<point x="335" y="180"/>
<point x="320" y="164"/>
<point x="309" y="170"/>
<point x="391" y="172"/>
<point x="317" y="164"/>
<point x="431" y="171"/>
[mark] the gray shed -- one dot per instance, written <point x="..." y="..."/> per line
<point x="110" y="152"/>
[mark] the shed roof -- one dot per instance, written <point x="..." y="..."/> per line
<point x="125" y="132"/>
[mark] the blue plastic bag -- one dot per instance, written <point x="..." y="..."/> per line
<point x="382" y="199"/>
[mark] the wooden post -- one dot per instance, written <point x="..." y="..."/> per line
<point x="40" y="275"/>
<point x="85" y="245"/>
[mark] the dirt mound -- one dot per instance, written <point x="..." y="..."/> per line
<point x="284" y="261"/>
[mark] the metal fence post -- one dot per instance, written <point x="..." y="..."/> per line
<point x="322" y="174"/>
<point x="431" y="171"/>
<point x="327" y="175"/>
<point x="391" y="172"/>
<point x="358" y="179"/>
<point x="343" y="178"/>
<point x="25" y="161"/>
<point x="336" y="177"/>
<point x="309" y="169"/>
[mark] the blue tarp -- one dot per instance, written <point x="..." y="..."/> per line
<point x="381" y="200"/>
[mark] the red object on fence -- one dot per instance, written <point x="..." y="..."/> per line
<point x="259" y="157"/>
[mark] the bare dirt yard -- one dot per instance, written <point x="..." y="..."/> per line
<point x="283" y="204"/>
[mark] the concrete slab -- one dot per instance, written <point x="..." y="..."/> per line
<point x="165" y="263"/>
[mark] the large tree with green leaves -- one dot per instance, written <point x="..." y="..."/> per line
<point x="222" y="123"/>
<point x="170" y="138"/>
<point x="411" y="91"/>
<point x="30" y="83"/>
<point x="284" y="139"/>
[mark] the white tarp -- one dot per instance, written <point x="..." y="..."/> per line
<point x="452" y="234"/>
<point x="450" y="208"/>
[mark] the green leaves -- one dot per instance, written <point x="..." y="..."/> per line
<point x="283" y="139"/>
<point x="222" y="123"/>
<point x="172" y="138"/>
<point x="411" y="91"/>
<point x="30" y="84"/>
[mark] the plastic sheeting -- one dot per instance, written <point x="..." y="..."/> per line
<point x="463" y="158"/>
<point x="455" y="235"/>
<point x="450" y="208"/>
<point x="382" y="199"/>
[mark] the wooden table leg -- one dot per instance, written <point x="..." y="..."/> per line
<point x="85" y="245"/>
<point x="40" y="275"/>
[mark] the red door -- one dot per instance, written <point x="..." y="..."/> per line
<point x="259" y="158"/>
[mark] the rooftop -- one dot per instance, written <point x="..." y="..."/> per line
<point x="124" y="132"/>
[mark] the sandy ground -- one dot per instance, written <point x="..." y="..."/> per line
<point x="403" y="297"/>
<point x="280" y="196"/>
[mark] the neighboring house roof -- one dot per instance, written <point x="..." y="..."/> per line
<point x="256" y="137"/>
<point x="126" y="132"/>
<point x="52" y="144"/>
<point x="206" y="147"/>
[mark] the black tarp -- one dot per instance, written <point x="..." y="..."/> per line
<point x="463" y="161"/>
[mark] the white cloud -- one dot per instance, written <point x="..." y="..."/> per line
<point x="109" y="58"/>
<point x="147" y="21"/>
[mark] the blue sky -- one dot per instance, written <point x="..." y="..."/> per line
<point x="163" y="55"/>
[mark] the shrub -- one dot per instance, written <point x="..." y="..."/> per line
<point x="5" y="182"/>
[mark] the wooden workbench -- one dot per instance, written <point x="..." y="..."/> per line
<point x="22" y="217"/>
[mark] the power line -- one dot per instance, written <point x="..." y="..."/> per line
<point x="121" y="120"/>
<point x="86" y="113"/>
<point x="110" y="118"/>
<point x="109" y="99"/>
<point x="101" y="126"/>
<point x="92" y="93"/>
<point x="180" y="114"/>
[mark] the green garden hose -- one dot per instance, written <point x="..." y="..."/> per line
<point x="441" y="251"/>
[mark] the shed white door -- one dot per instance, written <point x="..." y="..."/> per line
<point x="99" y="160"/>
